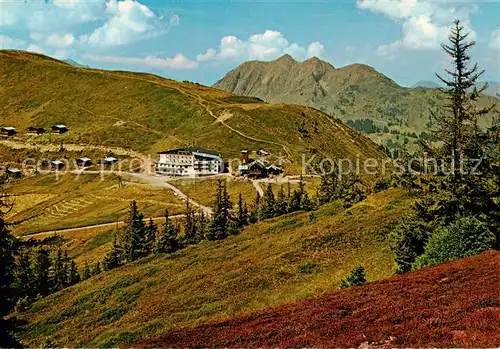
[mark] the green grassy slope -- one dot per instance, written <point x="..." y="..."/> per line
<point x="270" y="263"/>
<point x="148" y="113"/>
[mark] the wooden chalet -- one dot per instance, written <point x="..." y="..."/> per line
<point x="7" y="131"/>
<point x="59" y="129"/>
<point x="14" y="172"/>
<point x="57" y="165"/>
<point x="35" y="130"/>
<point x="108" y="161"/>
<point x="83" y="162"/>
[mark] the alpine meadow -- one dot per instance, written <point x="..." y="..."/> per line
<point x="177" y="175"/>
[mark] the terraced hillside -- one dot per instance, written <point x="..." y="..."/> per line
<point x="450" y="305"/>
<point x="273" y="262"/>
<point x="147" y="113"/>
<point x="46" y="203"/>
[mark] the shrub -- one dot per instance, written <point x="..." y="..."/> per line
<point x="465" y="237"/>
<point x="355" y="278"/>
<point x="381" y="185"/>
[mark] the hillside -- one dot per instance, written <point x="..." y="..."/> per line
<point x="148" y="113"/>
<point x="451" y="305"/>
<point x="352" y="92"/>
<point x="270" y="263"/>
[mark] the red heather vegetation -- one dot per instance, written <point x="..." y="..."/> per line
<point x="453" y="304"/>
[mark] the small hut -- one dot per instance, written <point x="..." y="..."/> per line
<point x="59" y="129"/>
<point x="35" y="130"/>
<point x="83" y="162"/>
<point x="7" y="131"/>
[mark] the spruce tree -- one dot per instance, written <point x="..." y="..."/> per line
<point x="6" y="267"/>
<point x="59" y="273"/>
<point x="73" y="276"/>
<point x="86" y="272"/>
<point x="281" y="202"/>
<point x="269" y="205"/>
<point x="113" y="258"/>
<point x="132" y="238"/>
<point x="149" y="238"/>
<point x="23" y="276"/>
<point x="167" y="240"/>
<point x="190" y="231"/>
<point x="218" y="228"/>
<point x="456" y="124"/>
<point x="41" y="271"/>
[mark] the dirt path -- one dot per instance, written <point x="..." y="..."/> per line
<point x="258" y="188"/>
<point x="156" y="181"/>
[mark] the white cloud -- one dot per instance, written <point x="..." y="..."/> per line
<point x="128" y="21"/>
<point x="210" y="54"/>
<point x="7" y="42"/>
<point x="316" y="49"/>
<point x="36" y="48"/>
<point x="265" y="46"/>
<point x="60" y="41"/>
<point x="111" y="22"/>
<point x="47" y="16"/>
<point x="178" y="62"/>
<point x="424" y="23"/>
<point x="495" y="40"/>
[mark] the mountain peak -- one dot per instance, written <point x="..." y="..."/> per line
<point x="315" y="62"/>
<point x="286" y="58"/>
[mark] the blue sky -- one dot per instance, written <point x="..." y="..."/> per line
<point x="201" y="41"/>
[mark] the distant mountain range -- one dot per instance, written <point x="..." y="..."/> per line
<point x="492" y="90"/>
<point x="426" y="84"/>
<point x="352" y="92"/>
<point x="74" y="63"/>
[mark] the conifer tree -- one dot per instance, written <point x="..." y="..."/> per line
<point x="113" y="258"/>
<point x="86" y="272"/>
<point x="6" y="267"/>
<point x="281" y="202"/>
<point x="59" y="273"/>
<point x="41" y="271"/>
<point x="132" y="238"/>
<point x="456" y="125"/>
<point x="23" y="276"/>
<point x="73" y="276"/>
<point x="190" y="231"/>
<point x="269" y="204"/>
<point x="149" y="238"/>
<point x="218" y="228"/>
<point x="201" y="225"/>
<point x="167" y="240"/>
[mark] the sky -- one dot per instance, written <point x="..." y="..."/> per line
<point x="202" y="40"/>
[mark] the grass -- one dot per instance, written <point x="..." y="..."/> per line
<point x="74" y="201"/>
<point x="147" y="113"/>
<point x="273" y="262"/>
<point x="204" y="190"/>
<point x="451" y="305"/>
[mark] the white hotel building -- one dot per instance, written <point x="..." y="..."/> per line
<point x="189" y="161"/>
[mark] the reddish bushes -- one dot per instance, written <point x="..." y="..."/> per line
<point x="455" y="304"/>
